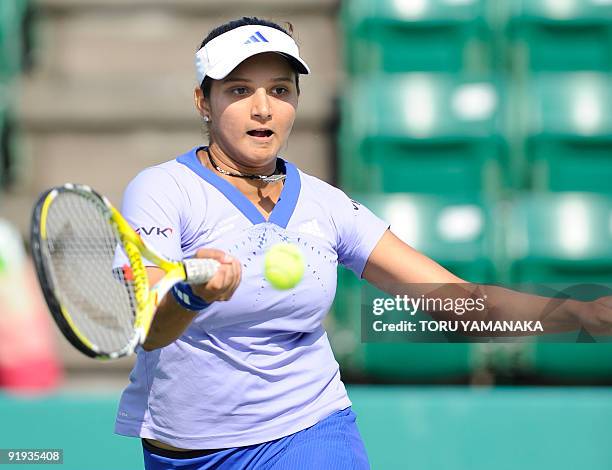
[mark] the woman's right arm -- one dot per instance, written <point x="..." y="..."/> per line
<point x="171" y="320"/>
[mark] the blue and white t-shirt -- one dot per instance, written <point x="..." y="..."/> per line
<point x="259" y="366"/>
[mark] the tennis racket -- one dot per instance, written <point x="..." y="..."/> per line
<point x="90" y="267"/>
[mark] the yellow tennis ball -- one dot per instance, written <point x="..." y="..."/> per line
<point x="284" y="266"/>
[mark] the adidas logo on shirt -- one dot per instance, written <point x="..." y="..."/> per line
<point x="257" y="37"/>
<point x="311" y="227"/>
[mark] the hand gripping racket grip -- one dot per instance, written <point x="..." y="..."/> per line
<point x="200" y="271"/>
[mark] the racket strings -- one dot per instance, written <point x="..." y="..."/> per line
<point x="86" y="271"/>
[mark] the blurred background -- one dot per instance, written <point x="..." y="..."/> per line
<point x="480" y="129"/>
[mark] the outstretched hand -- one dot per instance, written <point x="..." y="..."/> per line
<point x="596" y="316"/>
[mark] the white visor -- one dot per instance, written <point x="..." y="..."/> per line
<point x="225" y="52"/>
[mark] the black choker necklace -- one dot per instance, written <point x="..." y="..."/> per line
<point x="273" y="178"/>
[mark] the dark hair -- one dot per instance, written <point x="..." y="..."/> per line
<point x="230" y="25"/>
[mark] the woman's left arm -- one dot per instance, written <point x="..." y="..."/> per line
<point x="396" y="268"/>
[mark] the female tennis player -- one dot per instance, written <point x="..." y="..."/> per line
<point x="235" y="374"/>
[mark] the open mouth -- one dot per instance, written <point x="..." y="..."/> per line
<point x="260" y="133"/>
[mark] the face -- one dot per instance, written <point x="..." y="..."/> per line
<point x="252" y="110"/>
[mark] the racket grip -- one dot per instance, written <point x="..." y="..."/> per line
<point x="199" y="271"/>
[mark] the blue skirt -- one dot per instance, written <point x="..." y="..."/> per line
<point x="332" y="444"/>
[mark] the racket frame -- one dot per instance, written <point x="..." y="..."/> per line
<point x="147" y="297"/>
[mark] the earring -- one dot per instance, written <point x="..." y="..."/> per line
<point x="206" y="119"/>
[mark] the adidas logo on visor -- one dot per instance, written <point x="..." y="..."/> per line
<point x="257" y="37"/>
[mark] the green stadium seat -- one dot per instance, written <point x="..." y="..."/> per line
<point x="388" y="362"/>
<point x="455" y="232"/>
<point x="569" y="132"/>
<point x="561" y="244"/>
<point x="411" y="35"/>
<point x="7" y="163"/>
<point x="562" y="35"/>
<point x="8" y="143"/>
<point x="560" y="238"/>
<point x="14" y="16"/>
<point x="422" y="133"/>
<point x="15" y="56"/>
